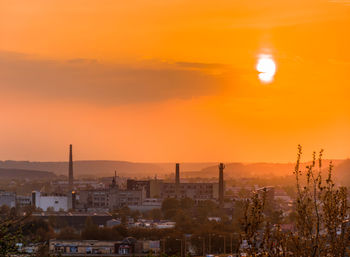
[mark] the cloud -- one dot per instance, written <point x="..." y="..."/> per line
<point x="197" y="65"/>
<point x="91" y="81"/>
<point x="344" y="2"/>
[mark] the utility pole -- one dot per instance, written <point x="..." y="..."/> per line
<point x="224" y="244"/>
<point x="185" y="246"/>
<point x="181" y="246"/>
<point x="209" y="243"/>
<point x="203" y="246"/>
<point x="224" y="237"/>
<point x="164" y="246"/>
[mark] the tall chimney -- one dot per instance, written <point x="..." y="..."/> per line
<point x="70" y="172"/>
<point x="221" y="184"/>
<point x="177" y="179"/>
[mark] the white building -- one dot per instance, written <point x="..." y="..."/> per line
<point x="57" y="202"/>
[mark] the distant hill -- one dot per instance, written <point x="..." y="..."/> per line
<point x="342" y="173"/>
<point x="246" y="170"/>
<point x="90" y="168"/>
<point x="25" y="174"/>
<point x="142" y="170"/>
<point x="102" y="168"/>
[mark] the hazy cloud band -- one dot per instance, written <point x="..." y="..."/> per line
<point x="88" y="80"/>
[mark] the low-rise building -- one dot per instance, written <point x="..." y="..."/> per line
<point x="110" y="198"/>
<point x="82" y="247"/>
<point x="94" y="199"/>
<point x="8" y="199"/>
<point x="56" y="202"/>
<point x="152" y="187"/>
<point x="23" y="201"/>
<point x="63" y="185"/>
<point x="147" y="205"/>
<point x="128" y="246"/>
<point x="196" y="191"/>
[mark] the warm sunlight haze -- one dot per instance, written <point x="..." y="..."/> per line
<point x="174" y="80"/>
<point x="175" y="128"/>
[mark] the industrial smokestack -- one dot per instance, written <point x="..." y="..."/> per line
<point x="177" y="179"/>
<point x="177" y="175"/>
<point x="70" y="171"/>
<point x="221" y="184"/>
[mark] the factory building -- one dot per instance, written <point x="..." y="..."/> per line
<point x="110" y="198"/>
<point x="152" y="187"/>
<point x="195" y="191"/>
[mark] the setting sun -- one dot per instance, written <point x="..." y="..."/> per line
<point x="266" y="68"/>
<point x="183" y="80"/>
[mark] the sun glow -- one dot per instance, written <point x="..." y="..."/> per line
<point x="266" y="67"/>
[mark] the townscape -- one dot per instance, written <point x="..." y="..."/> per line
<point x="131" y="217"/>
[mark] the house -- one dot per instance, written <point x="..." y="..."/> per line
<point x="81" y="246"/>
<point x="128" y="246"/>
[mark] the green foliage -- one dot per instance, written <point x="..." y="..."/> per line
<point x="11" y="234"/>
<point x="91" y="230"/>
<point x="320" y="216"/>
<point x="321" y="207"/>
<point x="68" y="233"/>
<point x="37" y="230"/>
<point x="170" y="207"/>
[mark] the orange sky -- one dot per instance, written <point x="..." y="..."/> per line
<point x="155" y="80"/>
